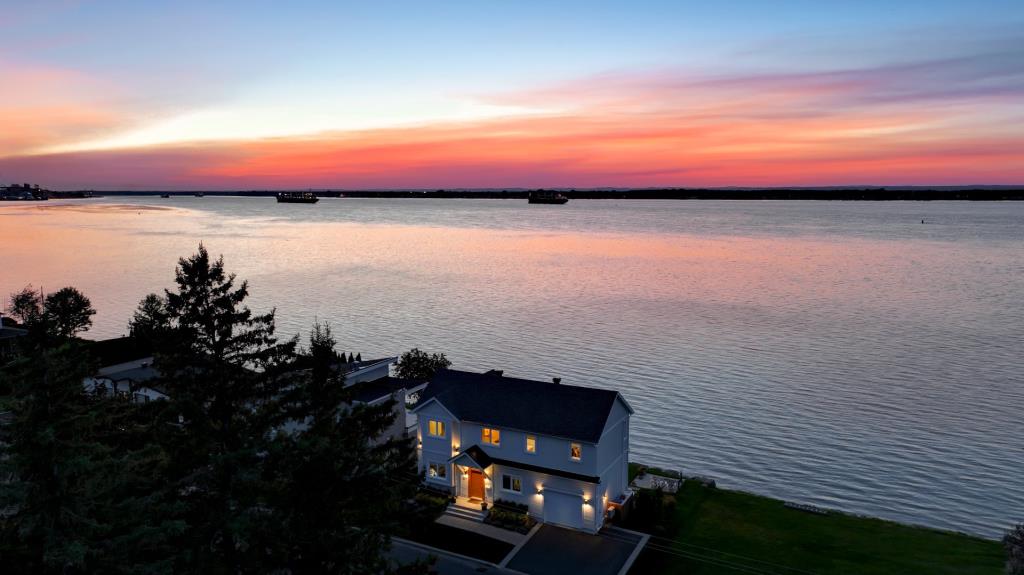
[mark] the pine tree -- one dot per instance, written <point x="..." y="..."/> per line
<point x="342" y="483"/>
<point x="53" y="460"/>
<point x="223" y="369"/>
<point x="72" y="480"/>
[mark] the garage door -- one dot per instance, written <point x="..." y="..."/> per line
<point x="562" y="509"/>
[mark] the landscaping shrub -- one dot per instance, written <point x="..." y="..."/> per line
<point x="511" y="505"/>
<point x="653" y="512"/>
<point x="513" y="519"/>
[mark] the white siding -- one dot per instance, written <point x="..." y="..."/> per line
<point x="613" y="451"/>
<point x="552" y="452"/>
<point x="436" y="449"/>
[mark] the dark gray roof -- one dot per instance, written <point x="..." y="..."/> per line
<point x="478" y="455"/>
<point x="368" y="391"/>
<point x="542" y="407"/>
<point x="139" y="374"/>
<point x="11" y="332"/>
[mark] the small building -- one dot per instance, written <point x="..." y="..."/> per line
<point x="9" y="335"/>
<point x="561" y="450"/>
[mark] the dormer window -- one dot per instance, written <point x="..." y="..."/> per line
<point x="436" y="428"/>
<point x="491" y="436"/>
<point x="575" y="451"/>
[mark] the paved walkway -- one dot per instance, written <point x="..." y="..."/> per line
<point x="513" y="537"/>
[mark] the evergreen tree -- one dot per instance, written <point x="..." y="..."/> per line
<point x="150" y="321"/>
<point x="72" y="468"/>
<point x="53" y="460"/>
<point x="223" y="369"/>
<point x="342" y="482"/>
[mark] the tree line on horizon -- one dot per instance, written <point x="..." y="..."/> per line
<point x="258" y="461"/>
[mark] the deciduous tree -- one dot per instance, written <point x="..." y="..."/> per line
<point x="420" y="365"/>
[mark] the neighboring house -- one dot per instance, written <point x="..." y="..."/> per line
<point x="8" y="338"/>
<point x="369" y="381"/>
<point x="127" y="379"/>
<point x="561" y="450"/>
<point x="373" y="392"/>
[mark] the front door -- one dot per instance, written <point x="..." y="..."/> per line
<point x="476" y="484"/>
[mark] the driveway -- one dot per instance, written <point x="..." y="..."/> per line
<point x="405" y="552"/>
<point x="556" y="551"/>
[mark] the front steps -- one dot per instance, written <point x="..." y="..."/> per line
<point x="465" y="513"/>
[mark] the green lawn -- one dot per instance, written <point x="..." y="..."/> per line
<point x="763" y="536"/>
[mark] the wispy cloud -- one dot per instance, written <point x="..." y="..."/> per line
<point x="948" y="119"/>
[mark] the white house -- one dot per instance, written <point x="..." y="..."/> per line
<point x="561" y="450"/>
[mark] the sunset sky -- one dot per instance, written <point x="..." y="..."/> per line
<point x="494" y="93"/>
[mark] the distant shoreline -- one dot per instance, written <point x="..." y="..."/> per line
<point x="993" y="193"/>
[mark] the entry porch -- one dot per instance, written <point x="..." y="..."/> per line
<point x="473" y="483"/>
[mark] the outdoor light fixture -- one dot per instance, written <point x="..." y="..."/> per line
<point x="540" y="492"/>
<point x="586" y="502"/>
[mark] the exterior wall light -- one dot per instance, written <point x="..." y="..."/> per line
<point x="540" y="491"/>
<point x="586" y="501"/>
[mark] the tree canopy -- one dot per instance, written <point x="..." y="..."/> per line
<point x="417" y="364"/>
<point x="260" y="460"/>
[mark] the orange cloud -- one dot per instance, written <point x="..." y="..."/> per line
<point x="945" y="122"/>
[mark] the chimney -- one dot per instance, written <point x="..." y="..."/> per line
<point x="556" y="380"/>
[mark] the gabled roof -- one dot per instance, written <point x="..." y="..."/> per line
<point x="476" y="457"/>
<point x="542" y="407"/>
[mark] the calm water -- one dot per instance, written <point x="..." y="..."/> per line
<point x="841" y="354"/>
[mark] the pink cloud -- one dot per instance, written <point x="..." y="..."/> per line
<point x="951" y="121"/>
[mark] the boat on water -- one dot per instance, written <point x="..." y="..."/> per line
<point x="297" y="198"/>
<point x="199" y="194"/>
<point x="165" y="196"/>
<point x="542" y="197"/>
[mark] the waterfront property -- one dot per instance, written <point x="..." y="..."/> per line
<point x="560" y="450"/>
<point x="126" y="374"/>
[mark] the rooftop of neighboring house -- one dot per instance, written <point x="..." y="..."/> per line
<point x="544" y="407"/>
<point x="370" y="391"/>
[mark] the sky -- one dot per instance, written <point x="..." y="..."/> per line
<point x="503" y="94"/>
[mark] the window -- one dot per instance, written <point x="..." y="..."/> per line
<point x="491" y="436"/>
<point x="575" y="451"/>
<point x="437" y="471"/>
<point x="531" y="444"/>
<point x="512" y="483"/>
<point x="436" y="428"/>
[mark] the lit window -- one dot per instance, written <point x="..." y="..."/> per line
<point x="575" y="451"/>
<point x="491" y="436"/>
<point x="512" y="483"/>
<point x="437" y="471"/>
<point x="436" y="428"/>
<point x="531" y="444"/>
